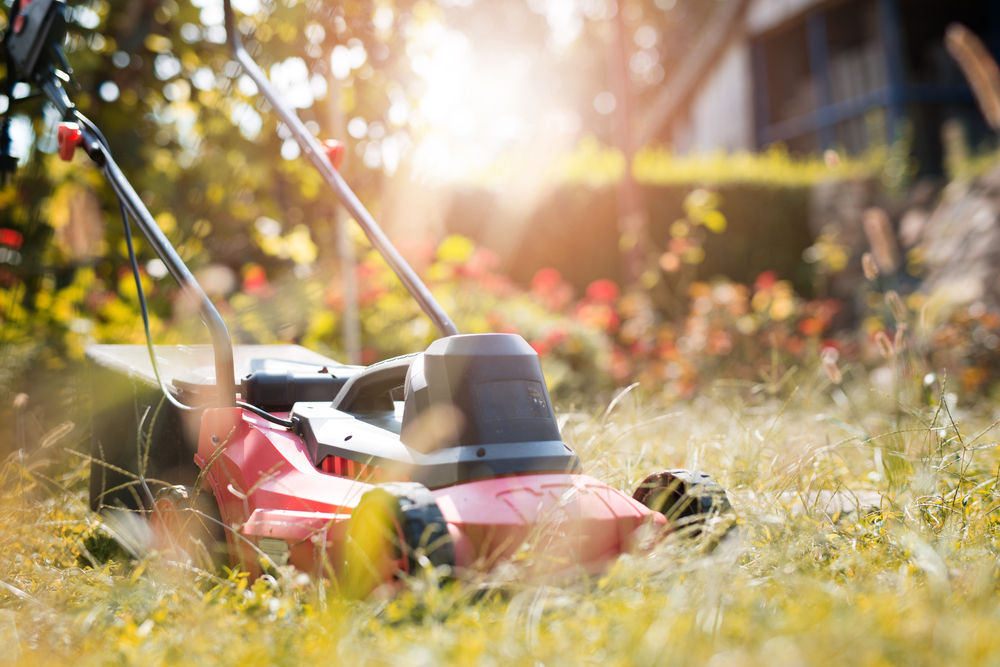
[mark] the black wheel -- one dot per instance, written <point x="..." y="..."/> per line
<point x="396" y="527"/>
<point x="684" y="497"/>
<point x="188" y="526"/>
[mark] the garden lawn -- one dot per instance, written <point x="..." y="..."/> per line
<point x="867" y="535"/>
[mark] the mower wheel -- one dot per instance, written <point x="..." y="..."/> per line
<point x="684" y="497"/>
<point x="188" y="526"/>
<point x="396" y="527"/>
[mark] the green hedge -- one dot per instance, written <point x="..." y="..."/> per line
<point x="575" y="231"/>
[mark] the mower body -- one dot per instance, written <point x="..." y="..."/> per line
<point x="452" y="454"/>
<point x="470" y="419"/>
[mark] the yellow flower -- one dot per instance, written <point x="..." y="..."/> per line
<point x="455" y="249"/>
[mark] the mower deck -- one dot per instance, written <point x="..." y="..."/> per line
<point x="571" y="519"/>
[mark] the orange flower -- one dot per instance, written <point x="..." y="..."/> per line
<point x="677" y="246"/>
<point x="721" y="343"/>
<point x="670" y="262"/>
<point x="254" y="278"/>
<point x="811" y="326"/>
<point x="598" y="316"/>
<point x="973" y="378"/>
<point x="666" y="350"/>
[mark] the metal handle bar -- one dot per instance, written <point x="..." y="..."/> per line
<point x="312" y="149"/>
<point x="222" y="345"/>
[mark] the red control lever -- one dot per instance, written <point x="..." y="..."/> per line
<point x="335" y="152"/>
<point x="19" y="19"/>
<point x="69" y="138"/>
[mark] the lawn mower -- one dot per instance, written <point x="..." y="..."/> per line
<point x="265" y="456"/>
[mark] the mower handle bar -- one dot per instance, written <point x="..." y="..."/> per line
<point x="222" y="345"/>
<point x="312" y="149"/>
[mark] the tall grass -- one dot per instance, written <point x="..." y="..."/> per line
<point x="866" y="535"/>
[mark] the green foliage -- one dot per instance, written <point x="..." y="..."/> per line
<point x="180" y="122"/>
<point x="98" y="548"/>
<point x="594" y="165"/>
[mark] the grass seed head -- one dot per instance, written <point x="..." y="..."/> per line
<point x="869" y="266"/>
<point x="899" y="340"/>
<point x="896" y="305"/>
<point x="884" y="345"/>
<point x="979" y="68"/>
<point x="829" y="357"/>
<point x="881" y="238"/>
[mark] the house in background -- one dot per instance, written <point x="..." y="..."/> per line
<point x="810" y="73"/>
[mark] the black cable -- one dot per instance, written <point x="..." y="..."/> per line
<point x="93" y="128"/>
<point x="145" y="313"/>
<point x="144" y="310"/>
<point x="141" y="293"/>
<point x="287" y="423"/>
<point x="133" y="260"/>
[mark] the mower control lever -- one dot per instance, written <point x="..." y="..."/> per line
<point x="35" y="55"/>
<point x="334" y="152"/>
<point x="86" y="134"/>
<point x="320" y="159"/>
<point x="69" y="137"/>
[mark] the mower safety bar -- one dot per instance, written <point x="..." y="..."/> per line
<point x="314" y="151"/>
<point x="222" y="345"/>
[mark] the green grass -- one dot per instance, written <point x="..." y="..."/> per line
<point x="808" y="579"/>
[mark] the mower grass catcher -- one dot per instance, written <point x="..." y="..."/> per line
<point x="263" y="456"/>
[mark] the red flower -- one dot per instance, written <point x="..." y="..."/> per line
<point x="254" y="278"/>
<point x="555" y="337"/>
<point x="811" y="326"/>
<point x="678" y="246"/>
<point x="334" y="299"/>
<point x="831" y="344"/>
<point x="603" y="290"/>
<point x="494" y="319"/>
<point x="483" y="261"/>
<point x="640" y="347"/>
<point x="765" y="280"/>
<point x="540" y="346"/>
<point x="545" y="281"/>
<point x="620" y="367"/>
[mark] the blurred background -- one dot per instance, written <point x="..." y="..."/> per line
<point x="667" y="192"/>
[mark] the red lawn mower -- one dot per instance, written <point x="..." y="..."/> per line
<point x="264" y="456"/>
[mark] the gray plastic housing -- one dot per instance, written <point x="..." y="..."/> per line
<point x="492" y="383"/>
<point x="494" y="380"/>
